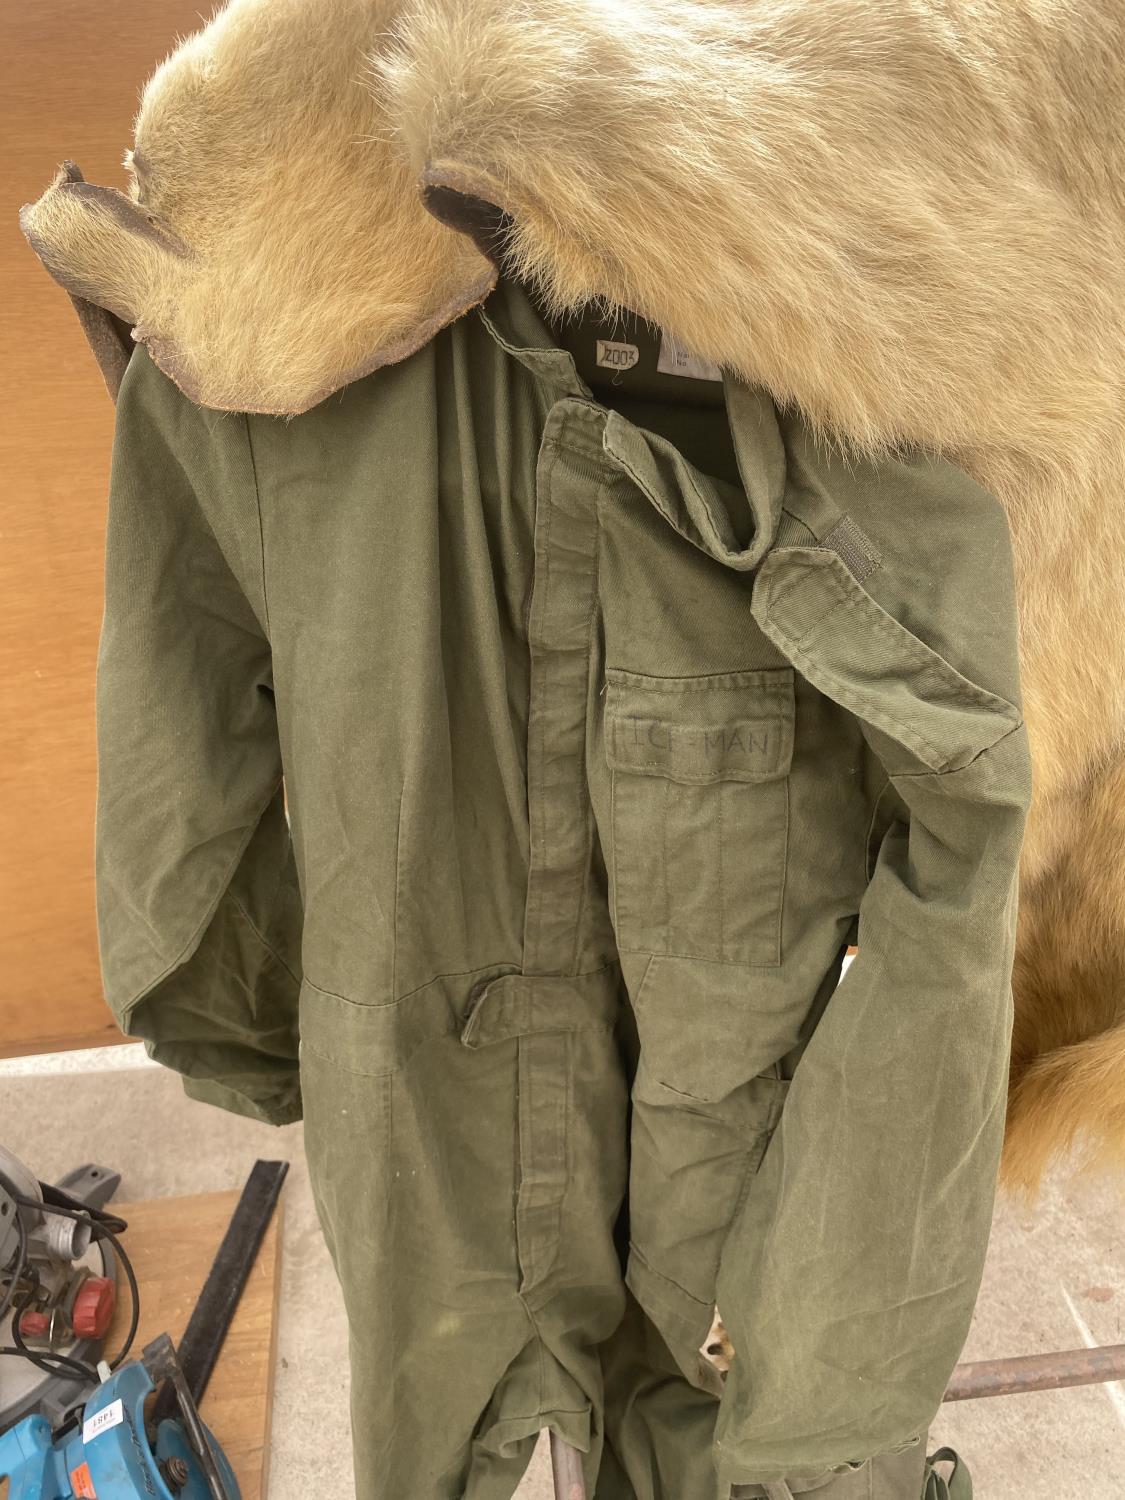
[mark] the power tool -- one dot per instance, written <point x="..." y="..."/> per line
<point x="113" y="1453"/>
<point x="129" y="1430"/>
<point x="58" y="1286"/>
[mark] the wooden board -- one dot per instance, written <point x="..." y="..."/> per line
<point x="70" y="72"/>
<point x="172" y="1242"/>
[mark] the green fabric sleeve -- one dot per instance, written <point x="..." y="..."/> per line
<point x="199" y="910"/>
<point x="863" y="1237"/>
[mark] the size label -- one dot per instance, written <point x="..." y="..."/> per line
<point x="615" y="356"/>
<point x="102" y="1421"/>
<point x="676" y="360"/>
<point x="82" y="1484"/>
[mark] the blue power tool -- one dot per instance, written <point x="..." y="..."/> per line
<point x="114" y="1454"/>
<point x="140" y="1436"/>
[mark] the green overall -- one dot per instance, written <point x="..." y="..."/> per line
<point x="496" y="763"/>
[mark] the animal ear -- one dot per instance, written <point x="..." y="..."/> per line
<point x="471" y="205"/>
<point x="102" y="246"/>
<point x="115" y="259"/>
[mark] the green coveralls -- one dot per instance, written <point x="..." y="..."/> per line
<point x="606" y="723"/>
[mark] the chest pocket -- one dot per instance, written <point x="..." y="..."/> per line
<point x="700" y="812"/>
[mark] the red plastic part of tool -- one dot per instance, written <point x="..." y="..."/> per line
<point x="93" y="1307"/>
<point x="33" y="1325"/>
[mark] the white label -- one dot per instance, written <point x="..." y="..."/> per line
<point x="676" y="360"/>
<point x="103" y="1420"/>
<point x="612" y="356"/>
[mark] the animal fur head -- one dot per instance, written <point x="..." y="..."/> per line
<point x="272" y="246"/>
<point x="852" y="202"/>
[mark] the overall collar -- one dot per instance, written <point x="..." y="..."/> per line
<point x="689" y="499"/>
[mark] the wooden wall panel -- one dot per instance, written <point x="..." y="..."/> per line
<point x="72" y="70"/>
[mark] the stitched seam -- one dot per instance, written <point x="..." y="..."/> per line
<point x="776" y="594"/>
<point x="722" y="902"/>
<point x="956" y="770"/>
<point x="664" y="865"/>
<point x="749" y="1173"/>
<point x="778" y="935"/>
<point x="822" y="620"/>
<point x="652" y="498"/>
<point x="524" y="1246"/>
<point x="540" y="685"/>
<point x="644" y="977"/>
<point x="584" y="808"/>
<point x="614" y="841"/>
<point x="266" y="944"/>
<point x="398" y="889"/>
<point x="659" y="1276"/>
<point x="201" y="927"/>
<point x="261" y="528"/>
<point x="703" y="778"/>
<point x="618" y="677"/>
<point x="543" y="695"/>
<point x="878" y="715"/>
<point x="402" y="999"/>
<point x="512" y="971"/>
<point x="552" y="1411"/>
<point x="308" y="1047"/>
<point x="910" y="737"/>
<point x="868" y="862"/>
<point x="709" y="529"/>
<point x="702" y="958"/>
<point x="934" y="670"/>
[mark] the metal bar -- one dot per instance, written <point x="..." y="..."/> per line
<point x="1037" y="1372"/>
<point x="212" y="1314"/>
<point x="566" y="1470"/>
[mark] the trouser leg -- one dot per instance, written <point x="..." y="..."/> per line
<point x="658" y="1426"/>
<point x="468" y="1188"/>
<point x="890" y="1476"/>
<point x="692" y="1161"/>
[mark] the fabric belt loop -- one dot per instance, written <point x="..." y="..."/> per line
<point x="514" y="1005"/>
<point x="470" y="1027"/>
<point x="959" y="1486"/>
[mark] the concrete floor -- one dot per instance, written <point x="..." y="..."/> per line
<point x="1055" y="1279"/>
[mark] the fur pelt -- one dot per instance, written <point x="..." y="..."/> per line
<point x="905" y="217"/>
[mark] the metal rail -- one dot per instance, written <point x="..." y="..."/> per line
<point x="989" y="1377"/>
<point x="566" y="1470"/>
<point x="1037" y="1372"/>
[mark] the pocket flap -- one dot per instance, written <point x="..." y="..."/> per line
<point x="734" y="726"/>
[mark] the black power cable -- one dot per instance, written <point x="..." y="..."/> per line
<point x="99" y="1223"/>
